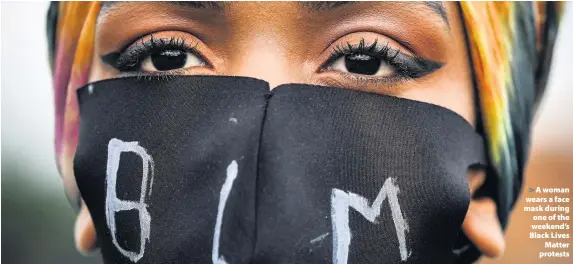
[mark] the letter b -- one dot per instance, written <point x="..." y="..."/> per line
<point x="114" y="204"/>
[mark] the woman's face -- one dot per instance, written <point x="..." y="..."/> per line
<point x="415" y="50"/>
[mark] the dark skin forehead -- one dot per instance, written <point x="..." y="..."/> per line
<point x="436" y="7"/>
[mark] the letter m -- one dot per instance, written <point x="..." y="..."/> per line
<point x="341" y="202"/>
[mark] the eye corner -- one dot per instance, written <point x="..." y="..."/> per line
<point x="110" y="58"/>
<point x="424" y="67"/>
<point x="433" y="65"/>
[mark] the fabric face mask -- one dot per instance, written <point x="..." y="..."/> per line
<point x="206" y="169"/>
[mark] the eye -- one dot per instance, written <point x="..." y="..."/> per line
<point x="374" y="61"/>
<point x="167" y="60"/>
<point x="157" y="55"/>
<point x="364" y="64"/>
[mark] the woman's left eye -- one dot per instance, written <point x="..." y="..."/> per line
<point x="363" y="64"/>
<point x="167" y="60"/>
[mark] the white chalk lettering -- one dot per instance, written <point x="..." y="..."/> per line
<point x="114" y="204"/>
<point x="232" y="171"/>
<point x="341" y="202"/>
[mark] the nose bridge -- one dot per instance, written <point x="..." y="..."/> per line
<point x="264" y="57"/>
<point x="264" y="43"/>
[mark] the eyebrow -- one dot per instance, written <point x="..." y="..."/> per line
<point x="439" y="8"/>
<point x="318" y="6"/>
<point x="314" y="6"/>
<point x="214" y="5"/>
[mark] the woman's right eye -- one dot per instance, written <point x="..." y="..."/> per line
<point x="172" y="59"/>
<point x="156" y="55"/>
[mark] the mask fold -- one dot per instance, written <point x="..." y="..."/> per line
<point x="215" y="169"/>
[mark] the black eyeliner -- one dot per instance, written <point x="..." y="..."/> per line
<point x="414" y="67"/>
<point x="130" y="59"/>
<point x="111" y="58"/>
<point x="406" y="66"/>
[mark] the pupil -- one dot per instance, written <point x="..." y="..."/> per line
<point x="361" y="64"/>
<point x="169" y="60"/>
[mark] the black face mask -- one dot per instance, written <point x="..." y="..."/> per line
<point x="204" y="169"/>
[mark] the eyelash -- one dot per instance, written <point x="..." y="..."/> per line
<point x="406" y="66"/>
<point x="130" y="59"/>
